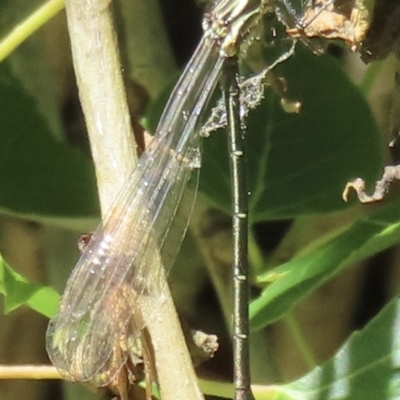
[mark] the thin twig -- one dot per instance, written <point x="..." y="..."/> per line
<point x="37" y="372"/>
<point x="31" y="24"/>
<point x="390" y="173"/>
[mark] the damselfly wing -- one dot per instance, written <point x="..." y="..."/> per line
<point x="97" y="330"/>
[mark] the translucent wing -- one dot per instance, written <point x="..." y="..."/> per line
<point x="94" y="332"/>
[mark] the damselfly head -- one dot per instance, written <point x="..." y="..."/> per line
<point x="229" y="21"/>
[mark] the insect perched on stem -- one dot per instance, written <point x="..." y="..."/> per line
<point x="97" y="335"/>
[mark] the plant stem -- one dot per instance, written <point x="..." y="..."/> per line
<point x="31" y="371"/>
<point x="102" y="95"/>
<point x="241" y="349"/>
<point x="31" y="24"/>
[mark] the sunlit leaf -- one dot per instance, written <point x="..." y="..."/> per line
<point x="366" y="367"/>
<point x="297" y="278"/>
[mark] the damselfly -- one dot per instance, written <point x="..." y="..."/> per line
<point x="94" y="334"/>
<point x="97" y="330"/>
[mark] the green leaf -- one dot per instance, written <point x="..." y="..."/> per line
<point x="297" y="278"/>
<point x="299" y="163"/>
<point x="19" y="291"/>
<point x="40" y="178"/>
<point x="365" y="368"/>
